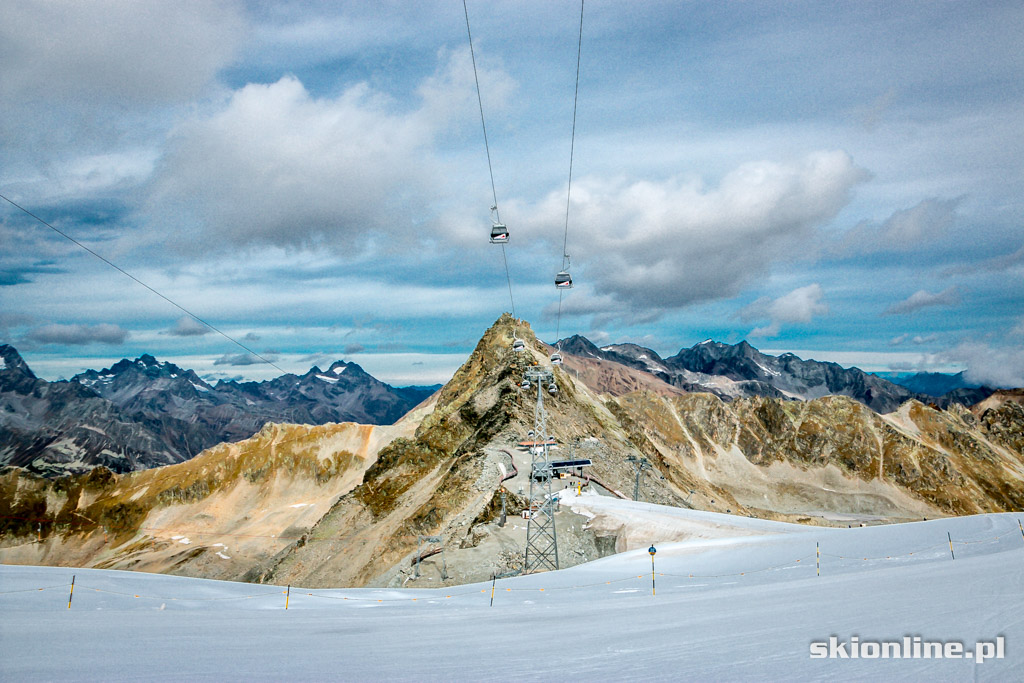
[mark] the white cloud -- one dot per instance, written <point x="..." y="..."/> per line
<point x="450" y="94"/>
<point x="241" y="359"/>
<point x="113" y="50"/>
<point x="799" y="306"/>
<point x="93" y="80"/>
<point x="1012" y="263"/>
<point x="922" y="299"/>
<point x="661" y="245"/>
<point x="280" y="166"/>
<point x="187" y="326"/>
<point x="905" y="230"/>
<point x="999" y="368"/>
<point x="79" y="335"/>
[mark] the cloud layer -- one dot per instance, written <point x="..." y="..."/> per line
<point x="799" y="306"/>
<point x="664" y="245"/>
<point x="79" y="335"/>
<point x="923" y="299"/>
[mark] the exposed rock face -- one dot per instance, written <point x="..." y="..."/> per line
<point x="60" y="427"/>
<point x="917" y="457"/>
<point x="740" y="370"/>
<point x="334" y="506"/>
<point x="149" y="413"/>
<point x="221" y="515"/>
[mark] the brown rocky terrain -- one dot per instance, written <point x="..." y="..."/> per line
<point x="345" y="505"/>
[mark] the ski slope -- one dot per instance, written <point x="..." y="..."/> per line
<point x="743" y="603"/>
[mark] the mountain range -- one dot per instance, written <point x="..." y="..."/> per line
<point x="350" y="505"/>
<point x="146" y="413"/>
<point x="734" y="371"/>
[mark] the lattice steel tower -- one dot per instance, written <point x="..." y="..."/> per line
<point x="541" y="539"/>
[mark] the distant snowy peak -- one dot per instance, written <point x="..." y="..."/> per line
<point x="159" y="413"/>
<point x="738" y="370"/>
<point x="130" y="377"/>
<point x="647" y="358"/>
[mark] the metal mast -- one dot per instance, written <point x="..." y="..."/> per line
<point x="541" y="540"/>
<point x="641" y="465"/>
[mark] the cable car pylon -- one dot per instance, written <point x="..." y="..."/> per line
<point x="541" y="535"/>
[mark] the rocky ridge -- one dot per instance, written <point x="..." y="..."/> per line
<point x="740" y="371"/>
<point x="830" y="460"/>
<point x="149" y="413"/>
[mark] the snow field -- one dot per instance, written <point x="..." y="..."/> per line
<point x="749" y="611"/>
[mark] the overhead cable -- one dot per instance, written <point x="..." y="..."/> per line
<point x="138" y="281"/>
<point x="572" y="149"/>
<point x="487" y="147"/>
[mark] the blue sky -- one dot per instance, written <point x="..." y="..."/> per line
<point x="840" y="180"/>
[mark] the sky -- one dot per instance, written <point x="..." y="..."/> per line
<point x="839" y="180"/>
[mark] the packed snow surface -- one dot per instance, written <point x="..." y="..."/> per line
<point x="742" y="606"/>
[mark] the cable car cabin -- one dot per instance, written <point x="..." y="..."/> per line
<point x="563" y="280"/>
<point x="499" y="234"/>
<point x="525" y="384"/>
<point x="518" y="345"/>
<point x="552" y="389"/>
<point x="556" y="358"/>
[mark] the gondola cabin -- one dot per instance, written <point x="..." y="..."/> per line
<point x="499" y="234"/>
<point x="563" y="280"/>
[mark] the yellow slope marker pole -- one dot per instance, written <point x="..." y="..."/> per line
<point x="1021" y="528"/>
<point x="950" y="545"/>
<point x="72" y="593"/>
<point x="817" y="562"/>
<point x="287" y="596"/>
<point x="493" y="579"/>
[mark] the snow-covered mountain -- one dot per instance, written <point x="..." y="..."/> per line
<point x="145" y="413"/>
<point x="740" y="370"/>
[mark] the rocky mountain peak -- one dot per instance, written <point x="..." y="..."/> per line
<point x="578" y="345"/>
<point x="15" y="375"/>
<point x="11" y="363"/>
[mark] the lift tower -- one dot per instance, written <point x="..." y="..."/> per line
<point x="541" y="541"/>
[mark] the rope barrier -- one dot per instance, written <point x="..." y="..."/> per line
<point x="792" y="564"/>
<point x="33" y="590"/>
<point x="158" y="597"/>
<point x="752" y="571"/>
